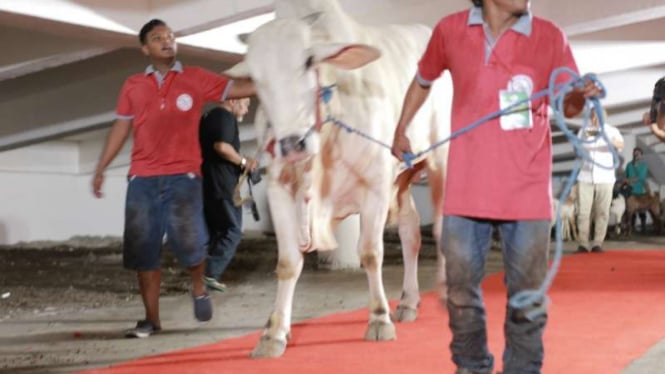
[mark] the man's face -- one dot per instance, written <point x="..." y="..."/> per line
<point x="240" y="108"/>
<point x="160" y="43"/>
<point x="515" y="7"/>
<point x="637" y="155"/>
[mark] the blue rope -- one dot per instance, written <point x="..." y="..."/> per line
<point x="532" y="302"/>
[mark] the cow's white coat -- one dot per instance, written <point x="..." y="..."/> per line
<point x="340" y="173"/>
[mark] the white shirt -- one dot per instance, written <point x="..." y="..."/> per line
<point x="601" y="155"/>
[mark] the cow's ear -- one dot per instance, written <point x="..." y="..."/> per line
<point x="238" y="71"/>
<point x="345" y="56"/>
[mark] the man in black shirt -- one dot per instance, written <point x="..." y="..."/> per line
<point x="222" y="166"/>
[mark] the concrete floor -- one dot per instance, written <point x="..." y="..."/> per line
<point x="66" y="340"/>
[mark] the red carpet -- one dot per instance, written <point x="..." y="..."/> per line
<point x="607" y="310"/>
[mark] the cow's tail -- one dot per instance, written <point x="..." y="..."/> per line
<point x="402" y="184"/>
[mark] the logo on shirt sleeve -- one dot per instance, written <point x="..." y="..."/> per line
<point x="184" y="102"/>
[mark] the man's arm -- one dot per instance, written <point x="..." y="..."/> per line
<point x="617" y="143"/>
<point x="114" y="142"/>
<point x="241" y="88"/>
<point x="226" y="151"/>
<point x="657" y="131"/>
<point x="414" y="99"/>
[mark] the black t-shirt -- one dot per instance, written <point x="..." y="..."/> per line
<point x="219" y="175"/>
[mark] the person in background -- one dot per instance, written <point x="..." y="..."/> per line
<point x="498" y="54"/>
<point x="596" y="183"/>
<point x="637" y="173"/>
<point x="162" y="107"/>
<point x="219" y="137"/>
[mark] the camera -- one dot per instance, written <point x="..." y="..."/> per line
<point x="255" y="210"/>
<point x="255" y="176"/>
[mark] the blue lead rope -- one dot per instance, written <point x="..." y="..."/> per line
<point x="533" y="303"/>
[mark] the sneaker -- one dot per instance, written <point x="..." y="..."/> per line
<point x="143" y="329"/>
<point x="597" y="249"/>
<point x="213" y="284"/>
<point x="582" y="249"/>
<point x="203" y="308"/>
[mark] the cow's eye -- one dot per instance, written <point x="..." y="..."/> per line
<point x="309" y="62"/>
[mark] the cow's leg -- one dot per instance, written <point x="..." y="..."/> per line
<point x="370" y="248"/>
<point x="437" y="189"/>
<point x="410" y="239"/>
<point x="654" y="209"/>
<point x="289" y="266"/>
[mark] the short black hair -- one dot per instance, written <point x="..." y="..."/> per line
<point x="478" y="3"/>
<point x="143" y="34"/>
<point x="638" y="149"/>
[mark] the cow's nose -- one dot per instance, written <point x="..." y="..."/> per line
<point x="292" y="144"/>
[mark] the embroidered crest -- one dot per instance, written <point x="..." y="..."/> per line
<point x="184" y="102"/>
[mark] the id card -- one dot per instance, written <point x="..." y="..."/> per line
<point x="519" y="117"/>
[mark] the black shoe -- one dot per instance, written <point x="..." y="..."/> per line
<point x="581" y="249"/>
<point x="597" y="249"/>
<point x="143" y="329"/>
<point x="202" y="308"/>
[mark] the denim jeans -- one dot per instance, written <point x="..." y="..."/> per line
<point x="465" y="244"/>
<point x="168" y="204"/>
<point x="224" y="221"/>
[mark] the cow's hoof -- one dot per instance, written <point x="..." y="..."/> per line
<point x="405" y="313"/>
<point x="379" y="331"/>
<point x="269" y="348"/>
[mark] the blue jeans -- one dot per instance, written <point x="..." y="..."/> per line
<point x="224" y="221"/>
<point x="168" y="204"/>
<point x="465" y="244"/>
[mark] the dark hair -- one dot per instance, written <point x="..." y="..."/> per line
<point x="478" y="3"/>
<point x="143" y="34"/>
<point x="638" y="149"/>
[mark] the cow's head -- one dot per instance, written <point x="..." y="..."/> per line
<point x="282" y="59"/>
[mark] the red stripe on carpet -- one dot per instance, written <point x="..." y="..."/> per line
<point x="607" y="310"/>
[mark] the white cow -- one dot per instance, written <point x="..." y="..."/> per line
<point x="319" y="173"/>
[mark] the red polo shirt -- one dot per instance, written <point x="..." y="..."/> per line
<point x="165" y="113"/>
<point x="493" y="172"/>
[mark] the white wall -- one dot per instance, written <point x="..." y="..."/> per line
<point x="38" y="206"/>
<point x="46" y="194"/>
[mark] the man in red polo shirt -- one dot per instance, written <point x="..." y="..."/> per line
<point x="498" y="174"/>
<point x="162" y="106"/>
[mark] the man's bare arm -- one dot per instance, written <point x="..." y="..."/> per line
<point x="114" y="142"/>
<point x="414" y="99"/>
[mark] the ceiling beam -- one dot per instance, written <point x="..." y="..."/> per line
<point x="39" y="64"/>
<point x="56" y="131"/>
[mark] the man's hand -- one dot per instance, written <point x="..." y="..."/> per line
<point x="97" y="182"/>
<point x="401" y="145"/>
<point x="575" y="100"/>
<point x="646" y="118"/>
<point x="591" y="89"/>
<point x="251" y="165"/>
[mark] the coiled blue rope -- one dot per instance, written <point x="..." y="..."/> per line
<point x="533" y="303"/>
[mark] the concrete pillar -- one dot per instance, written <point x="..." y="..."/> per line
<point x="345" y="257"/>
